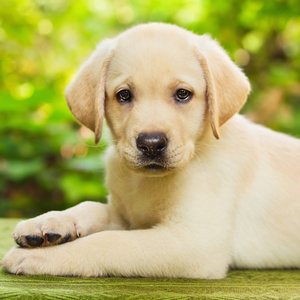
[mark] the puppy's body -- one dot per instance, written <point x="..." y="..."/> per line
<point x="182" y="202"/>
<point x="254" y="227"/>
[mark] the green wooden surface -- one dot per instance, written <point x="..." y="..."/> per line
<point x="240" y="284"/>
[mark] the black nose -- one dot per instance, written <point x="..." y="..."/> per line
<point x="152" y="144"/>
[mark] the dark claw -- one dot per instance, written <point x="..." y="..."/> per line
<point x="34" y="240"/>
<point x="19" y="242"/>
<point x="53" y="237"/>
<point x="65" y="238"/>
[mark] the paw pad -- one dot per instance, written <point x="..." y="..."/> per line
<point x="34" y="240"/>
<point x="65" y="239"/>
<point x="52" y="237"/>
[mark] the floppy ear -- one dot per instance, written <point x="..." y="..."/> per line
<point x="85" y="95"/>
<point x="227" y="87"/>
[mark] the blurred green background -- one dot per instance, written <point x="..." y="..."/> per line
<point x="47" y="160"/>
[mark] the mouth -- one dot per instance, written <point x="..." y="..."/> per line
<point x="158" y="166"/>
<point x="155" y="167"/>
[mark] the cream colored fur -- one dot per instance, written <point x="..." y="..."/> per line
<point x="230" y="194"/>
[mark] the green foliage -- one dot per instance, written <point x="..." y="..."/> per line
<point x="47" y="161"/>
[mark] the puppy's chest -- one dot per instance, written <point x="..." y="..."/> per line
<point x="141" y="214"/>
<point x="141" y="205"/>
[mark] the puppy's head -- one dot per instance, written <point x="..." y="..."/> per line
<point x="159" y="87"/>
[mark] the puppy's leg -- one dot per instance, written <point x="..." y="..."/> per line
<point x="157" y="252"/>
<point x="57" y="227"/>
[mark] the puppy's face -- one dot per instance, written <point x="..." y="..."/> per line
<point x="155" y="102"/>
<point x="159" y="87"/>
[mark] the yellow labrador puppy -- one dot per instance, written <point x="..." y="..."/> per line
<point x="195" y="188"/>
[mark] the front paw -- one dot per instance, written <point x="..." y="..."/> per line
<point x="70" y="259"/>
<point x="21" y="261"/>
<point x="51" y="228"/>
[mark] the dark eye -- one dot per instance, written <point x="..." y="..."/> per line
<point x="183" y="95"/>
<point x="124" y="96"/>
